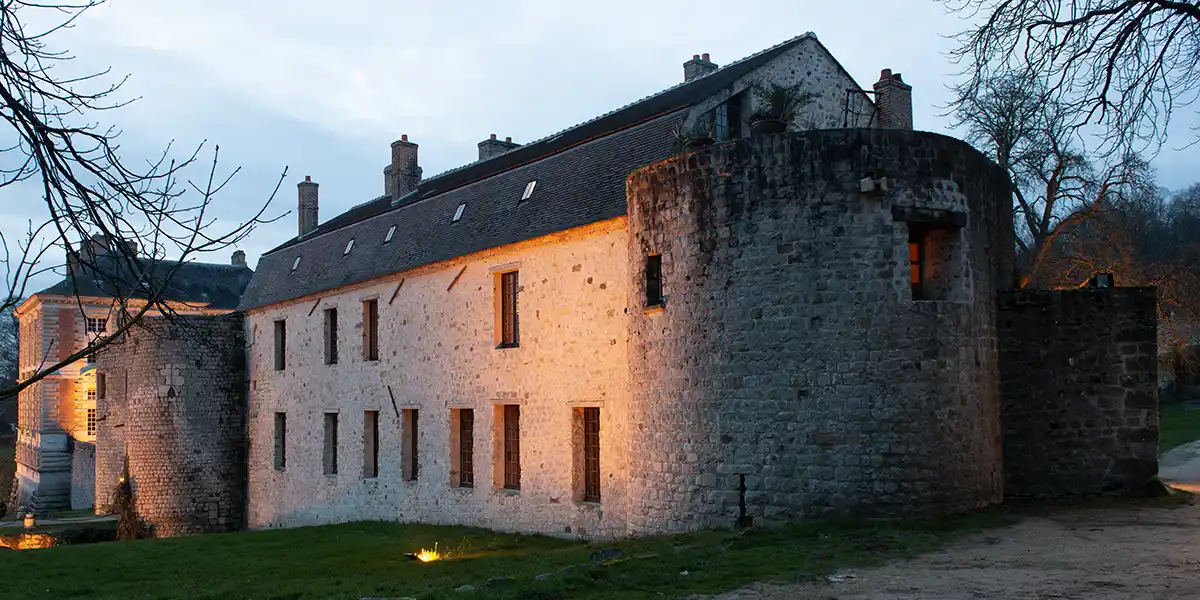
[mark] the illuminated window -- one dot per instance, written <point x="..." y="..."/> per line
<point x="349" y="245"/>
<point x="96" y="325"/>
<point x="458" y="213"/>
<point x="330" y="455"/>
<point x="528" y="190"/>
<point x="91" y="418"/>
<point x="391" y="232"/>
<point x="916" y="261"/>
<point x="508" y="420"/>
<point x="510" y="336"/>
<point x="371" y="444"/>
<point x="91" y="396"/>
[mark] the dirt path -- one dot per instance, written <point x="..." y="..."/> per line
<point x="1085" y="554"/>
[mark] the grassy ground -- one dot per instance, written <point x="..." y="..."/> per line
<point x="367" y="559"/>
<point x="1177" y="427"/>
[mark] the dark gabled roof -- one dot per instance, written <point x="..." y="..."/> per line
<point x="215" y="285"/>
<point x="582" y="185"/>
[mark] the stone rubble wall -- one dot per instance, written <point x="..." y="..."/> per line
<point x="1079" y="375"/>
<point x="176" y="391"/>
<point x="790" y="349"/>
<point x="83" y="475"/>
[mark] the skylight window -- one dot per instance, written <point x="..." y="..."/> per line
<point x="528" y="190"/>
<point x="296" y="263"/>
<point x="349" y="245"/>
<point x="390" y="233"/>
<point x="458" y="213"/>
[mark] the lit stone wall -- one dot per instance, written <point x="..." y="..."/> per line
<point x="174" y="404"/>
<point x="437" y="352"/>
<point x="790" y="349"/>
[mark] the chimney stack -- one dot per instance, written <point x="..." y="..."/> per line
<point x="404" y="174"/>
<point x="494" y="147"/>
<point x="893" y="101"/>
<point x="698" y="67"/>
<point x="307" y="206"/>
<point x="239" y="259"/>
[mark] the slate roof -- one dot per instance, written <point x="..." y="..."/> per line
<point x="580" y="174"/>
<point x="218" y="286"/>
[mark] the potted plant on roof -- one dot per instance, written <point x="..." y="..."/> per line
<point x="777" y="107"/>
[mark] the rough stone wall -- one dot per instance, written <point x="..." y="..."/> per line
<point x="83" y="476"/>
<point x="179" y="400"/>
<point x="790" y="349"/>
<point x="438" y="352"/>
<point x="1079" y="388"/>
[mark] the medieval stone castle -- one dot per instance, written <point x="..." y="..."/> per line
<point x="597" y="334"/>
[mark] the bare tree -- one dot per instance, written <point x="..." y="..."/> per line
<point x="1125" y="65"/>
<point x="158" y="217"/>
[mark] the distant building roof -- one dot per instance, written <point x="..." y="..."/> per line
<point x="218" y="286"/>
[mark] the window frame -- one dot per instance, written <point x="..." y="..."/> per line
<point x="349" y="247"/>
<point x="280" y="457"/>
<point x="591" y="454"/>
<point x="458" y="212"/>
<point x="512" y="447"/>
<point x="331" y="335"/>
<point x="370" y="316"/>
<point x="508" y="309"/>
<point x="653" y="275"/>
<point x="329" y="455"/>
<point x="917" y="276"/>
<point x="280" y="346"/>
<point x="90" y="421"/>
<point x="466" y="447"/>
<point x="95" y="324"/>
<point x="528" y="193"/>
<point x="390" y="233"/>
<point x="370" y="444"/>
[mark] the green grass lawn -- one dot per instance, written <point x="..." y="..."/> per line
<point x="1177" y="427"/>
<point x="367" y="559"/>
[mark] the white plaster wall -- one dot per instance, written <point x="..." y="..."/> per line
<point x="437" y="352"/>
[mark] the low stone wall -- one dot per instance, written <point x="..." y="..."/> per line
<point x="1079" y="391"/>
<point x="83" y="475"/>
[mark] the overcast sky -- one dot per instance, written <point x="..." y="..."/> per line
<point x="323" y="88"/>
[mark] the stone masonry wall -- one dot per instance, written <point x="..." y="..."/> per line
<point x="83" y="475"/>
<point x="790" y="348"/>
<point x="1079" y="389"/>
<point x="179" y="402"/>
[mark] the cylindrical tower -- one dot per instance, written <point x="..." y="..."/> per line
<point x="827" y="328"/>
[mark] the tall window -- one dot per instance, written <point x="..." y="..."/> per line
<point x="91" y="421"/>
<point x="512" y="447"/>
<point x="591" y="454"/>
<point x="463" y="448"/>
<point x="410" y="435"/>
<point x="280" y="345"/>
<point x="916" y="260"/>
<point x="91" y="396"/>
<point x="654" y="283"/>
<point x="96" y="325"/>
<point x="371" y="443"/>
<point x="330" y="455"/>
<point x="509" y="323"/>
<point x="280" y="441"/>
<point x="371" y="330"/>
<point x="331" y="336"/>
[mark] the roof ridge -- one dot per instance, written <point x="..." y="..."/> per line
<point x="807" y="34"/>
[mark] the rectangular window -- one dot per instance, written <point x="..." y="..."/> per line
<point x="512" y="447"/>
<point x="96" y="325"/>
<point x="462" y="447"/>
<point x="509" y="322"/>
<point x="371" y="330"/>
<point x="916" y="261"/>
<point x="331" y="336"/>
<point x="91" y="396"/>
<point x="91" y="358"/>
<point x="654" y="283"/>
<point x="280" y="441"/>
<point x="590" y="449"/>
<point x="371" y="443"/>
<point x="101" y="385"/>
<point x="410" y="436"/>
<point x="280" y="345"/>
<point x="330" y="456"/>
<point x="91" y="421"/>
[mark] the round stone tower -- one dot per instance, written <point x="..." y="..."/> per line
<point x="818" y="324"/>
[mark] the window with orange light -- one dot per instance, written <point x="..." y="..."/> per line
<point x="916" y="260"/>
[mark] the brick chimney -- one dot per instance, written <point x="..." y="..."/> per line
<point x="893" y="101"/>
<point x="238" y="259"/>
<point x="494" y="147"/>
<point x="404" y="174"/>
<point x="307" y="205"/>
<point x="698" y="67"/>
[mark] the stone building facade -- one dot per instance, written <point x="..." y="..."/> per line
<point x="173" y="414"/>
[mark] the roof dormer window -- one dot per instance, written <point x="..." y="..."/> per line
<point x="458" y="213"/>
<point x="296" y="264"/>
<point x="528" y="190"/>
<point x="390" y="233"/>
<point x="349" y="245"/>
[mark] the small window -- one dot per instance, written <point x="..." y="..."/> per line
<point x="586" y="432"/>
<point x="91" y="396"/>
<point x="410" y="436"/>
<point x="458" y="213"/>
<point x="654" y="283"/>
<point x="508" y="436"/>
<point x="91" y="358"/>
<point x="280" y="345"/>
<point x="509" y="322"/>
<point x="349" y="245"/>
<point x="296" y="263"/>
<point x="330" y="455"/>
<point x="96" y="325"/>
<point x="916" y="263"/>
<point x="91" y="421"/>
<point x="371" y="330"/>
<point x="371" y="444"/>
<point x="391" y="232"/>
<point x="528" y="190"/>
<point x="280" y="441"/>
<point x="331" y="336"/>
<point x="462" y="447"/>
